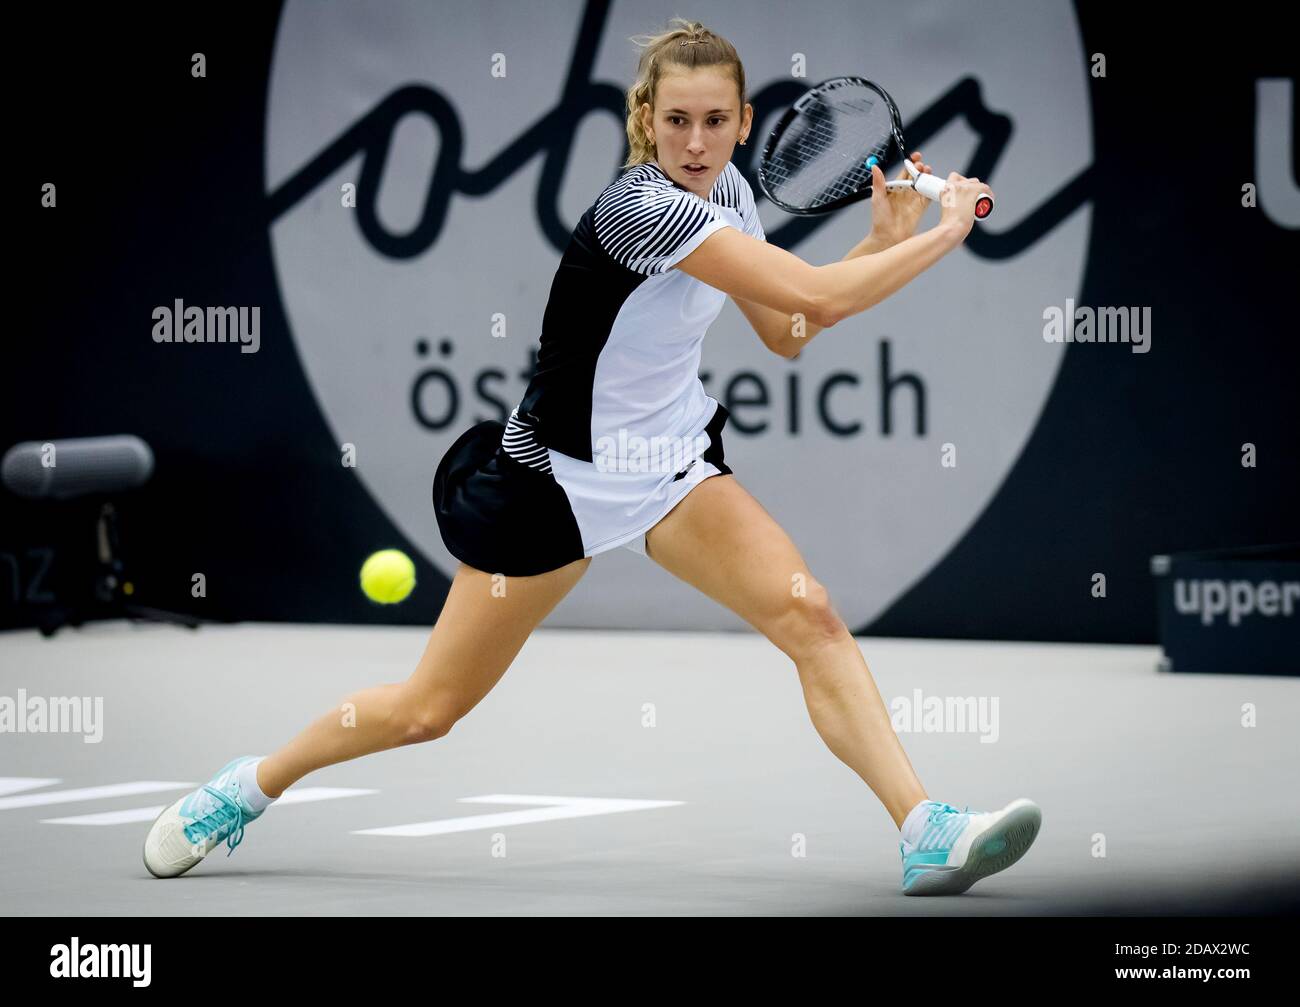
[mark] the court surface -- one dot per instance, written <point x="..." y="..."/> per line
<point x="632" y="773"/>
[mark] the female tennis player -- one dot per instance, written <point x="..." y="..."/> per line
<point x="648" y="268"/>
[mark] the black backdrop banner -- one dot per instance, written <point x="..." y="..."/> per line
<point x="162" y="189"/>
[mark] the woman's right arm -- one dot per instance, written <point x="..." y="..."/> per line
<point x="745" y="267"/>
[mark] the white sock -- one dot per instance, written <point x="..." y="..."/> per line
<point x="252" y="794"/>
<point x="914" y="823"/>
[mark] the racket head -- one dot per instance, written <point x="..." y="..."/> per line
<point x="814" y="160"/>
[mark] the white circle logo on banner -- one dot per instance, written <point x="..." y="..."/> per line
<point x="471" y="147"/>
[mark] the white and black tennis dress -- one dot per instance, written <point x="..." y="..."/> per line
<point x="614" y="427"/>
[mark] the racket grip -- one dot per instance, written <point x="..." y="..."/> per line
<point x="929" y="186"/>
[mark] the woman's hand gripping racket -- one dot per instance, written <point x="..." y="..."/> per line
<point x="820" y="155"/>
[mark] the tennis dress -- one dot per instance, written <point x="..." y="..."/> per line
<point x="614" y="428"/>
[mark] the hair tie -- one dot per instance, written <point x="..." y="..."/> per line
<point x="694" y="41"/>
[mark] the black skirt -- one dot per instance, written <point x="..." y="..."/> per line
<point x="499" y="515"/>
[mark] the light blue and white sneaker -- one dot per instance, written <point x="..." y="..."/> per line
<point x="191" y="828"/>
<point x="957" y="848"/>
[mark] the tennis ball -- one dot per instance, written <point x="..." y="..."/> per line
<point x="387" y="576"/>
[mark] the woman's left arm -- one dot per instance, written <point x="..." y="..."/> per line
<point x="894" y="218"/>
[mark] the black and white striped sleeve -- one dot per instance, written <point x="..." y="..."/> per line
<point x="649" y="227"/>
<point x="749" y="212"/>
<point x="732" y="189"/>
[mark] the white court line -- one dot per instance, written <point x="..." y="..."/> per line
<point x="17" y="784"/>
<point x="301" y="795"/>
<point x="92" y="793"/>
<point x="555" y="809"/>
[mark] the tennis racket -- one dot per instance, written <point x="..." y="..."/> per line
<point x="819" y="156"/>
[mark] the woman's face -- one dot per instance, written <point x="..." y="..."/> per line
<point x="697" y="120"/>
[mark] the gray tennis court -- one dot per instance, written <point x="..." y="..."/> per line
<point x="680" y="773"/>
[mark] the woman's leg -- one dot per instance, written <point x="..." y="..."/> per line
<point x="483" y="624"/>
<point x="720" y="540"/>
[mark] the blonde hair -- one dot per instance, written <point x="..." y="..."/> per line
<point x="688" y="46"/>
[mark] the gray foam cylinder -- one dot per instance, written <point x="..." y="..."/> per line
<point x="81" y="465"/>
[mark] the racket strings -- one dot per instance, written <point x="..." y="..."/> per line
<point x="820" y="158"/>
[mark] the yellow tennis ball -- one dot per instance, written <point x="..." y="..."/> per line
<point x="388" y="576"/>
